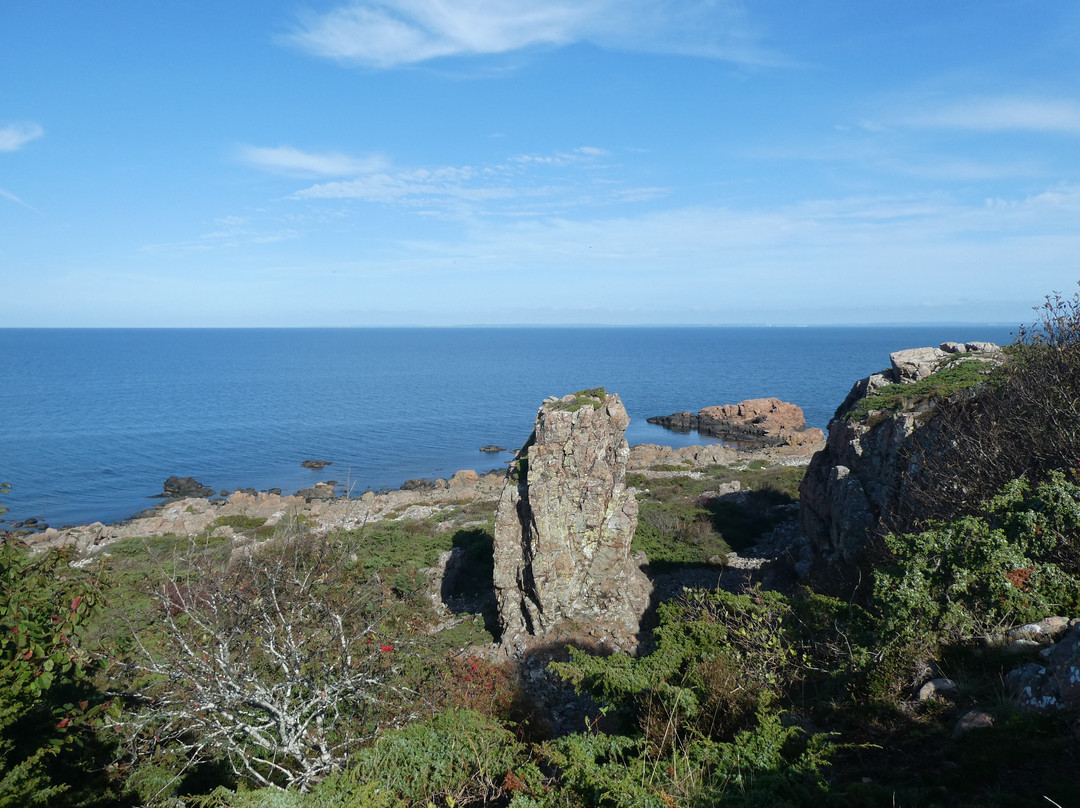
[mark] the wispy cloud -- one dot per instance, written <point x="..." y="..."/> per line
<point x="296" y="163"/>
<point x="10" y="196"/>
<point x="578" y="155"/>
<point x="230" y="232"/>
<point x="925" y="253"/>
<point x="1002" y="114"/>
<point x="388" y="33"/>
<point x="529" y="179"/>
<point x="16" y="135"/>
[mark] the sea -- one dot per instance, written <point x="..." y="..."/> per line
<point x="92" y="421"/>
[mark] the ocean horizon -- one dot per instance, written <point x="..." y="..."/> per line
<point x="93" y="420"/>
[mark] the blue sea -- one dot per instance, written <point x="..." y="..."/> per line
<point x="93" y="421"/>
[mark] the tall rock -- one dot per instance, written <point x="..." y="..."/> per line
<point x="565" y="522"/>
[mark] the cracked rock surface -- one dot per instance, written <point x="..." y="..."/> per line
<point x="565" y="522"/>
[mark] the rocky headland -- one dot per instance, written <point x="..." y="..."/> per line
<point x="855" y="483"/>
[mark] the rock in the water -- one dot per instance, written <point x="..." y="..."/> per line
<point x="565" y="522"/>
<point x="756" y="421"/>
<point x="418" y="484"/>
<point x="316" y="464"/>
<point x="684" y="421"/>
<point x="492" y="449"/>
<point x="184" y="487"/>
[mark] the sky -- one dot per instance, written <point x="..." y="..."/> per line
<point x="499" y="162"/>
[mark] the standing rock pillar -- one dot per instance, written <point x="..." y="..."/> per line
<point x="565" y="522"/>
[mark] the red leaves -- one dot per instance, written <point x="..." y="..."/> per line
<point x="386" y="648"/>
<point x="1019" y="578"/>
<point x="75" y="603"/>
<point x="513" y="783"/>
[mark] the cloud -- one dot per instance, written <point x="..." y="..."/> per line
<point x="296" y="163"/>
<point x="524" y="185"/>
<point x="1004" y="114"/>
<point x="16" y="135"/>
<point x="419" y="184"/>
<point x="389" y="33"/>
<point x="580" y="154"/>
<point x="10" y="196"/>
<point x="231" y="232"/>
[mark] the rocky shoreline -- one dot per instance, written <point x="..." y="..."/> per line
<point x="324" y="509"/>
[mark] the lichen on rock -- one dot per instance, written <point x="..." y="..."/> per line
<point x="565" y="522"/>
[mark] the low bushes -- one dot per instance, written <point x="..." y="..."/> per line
<point x="1013" y="561"/>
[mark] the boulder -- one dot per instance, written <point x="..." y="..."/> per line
<point x="463" y="478"/>
<point x="914" y="364"/>
<point x="564" y="525"/>
<point x="973" y="719"/>
<point x="183" y="488"/>
<point x="1053" y="684"/>
<point x="316" y="464"/>
<point x="323" y="490"/>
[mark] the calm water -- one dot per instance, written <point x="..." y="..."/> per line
<point x="93" y="421"/>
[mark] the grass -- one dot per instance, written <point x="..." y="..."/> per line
<point x="593" y="397"/>
<point x="675" y="533"/>
<point x="240" y="522"/>
<point x="673" y="528"/>
<point x="951" y="379"/>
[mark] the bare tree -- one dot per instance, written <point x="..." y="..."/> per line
<point x="279" y="662"/>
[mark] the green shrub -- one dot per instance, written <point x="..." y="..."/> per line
<point x="240" y="522"/>
<point x="458" y="757"/>
<point x="49" y="707"/>
<point x="706" y="641"/>
<point x="770" y="764"/>
<point x="404" y="546"/>
<point x="591" y="397"/>
<point x="979" y="572"/>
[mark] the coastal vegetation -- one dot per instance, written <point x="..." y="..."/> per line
<point x="276" y="668"/>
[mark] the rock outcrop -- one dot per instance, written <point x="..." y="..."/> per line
<point x="183" y="487"/>
<point x="854" y="483"/>
<point x="564" y="525"/>
<point x="1054" y="682"/>
<point x="754" y="422"/>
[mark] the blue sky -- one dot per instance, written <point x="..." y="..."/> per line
<point x="444" y="162"/>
